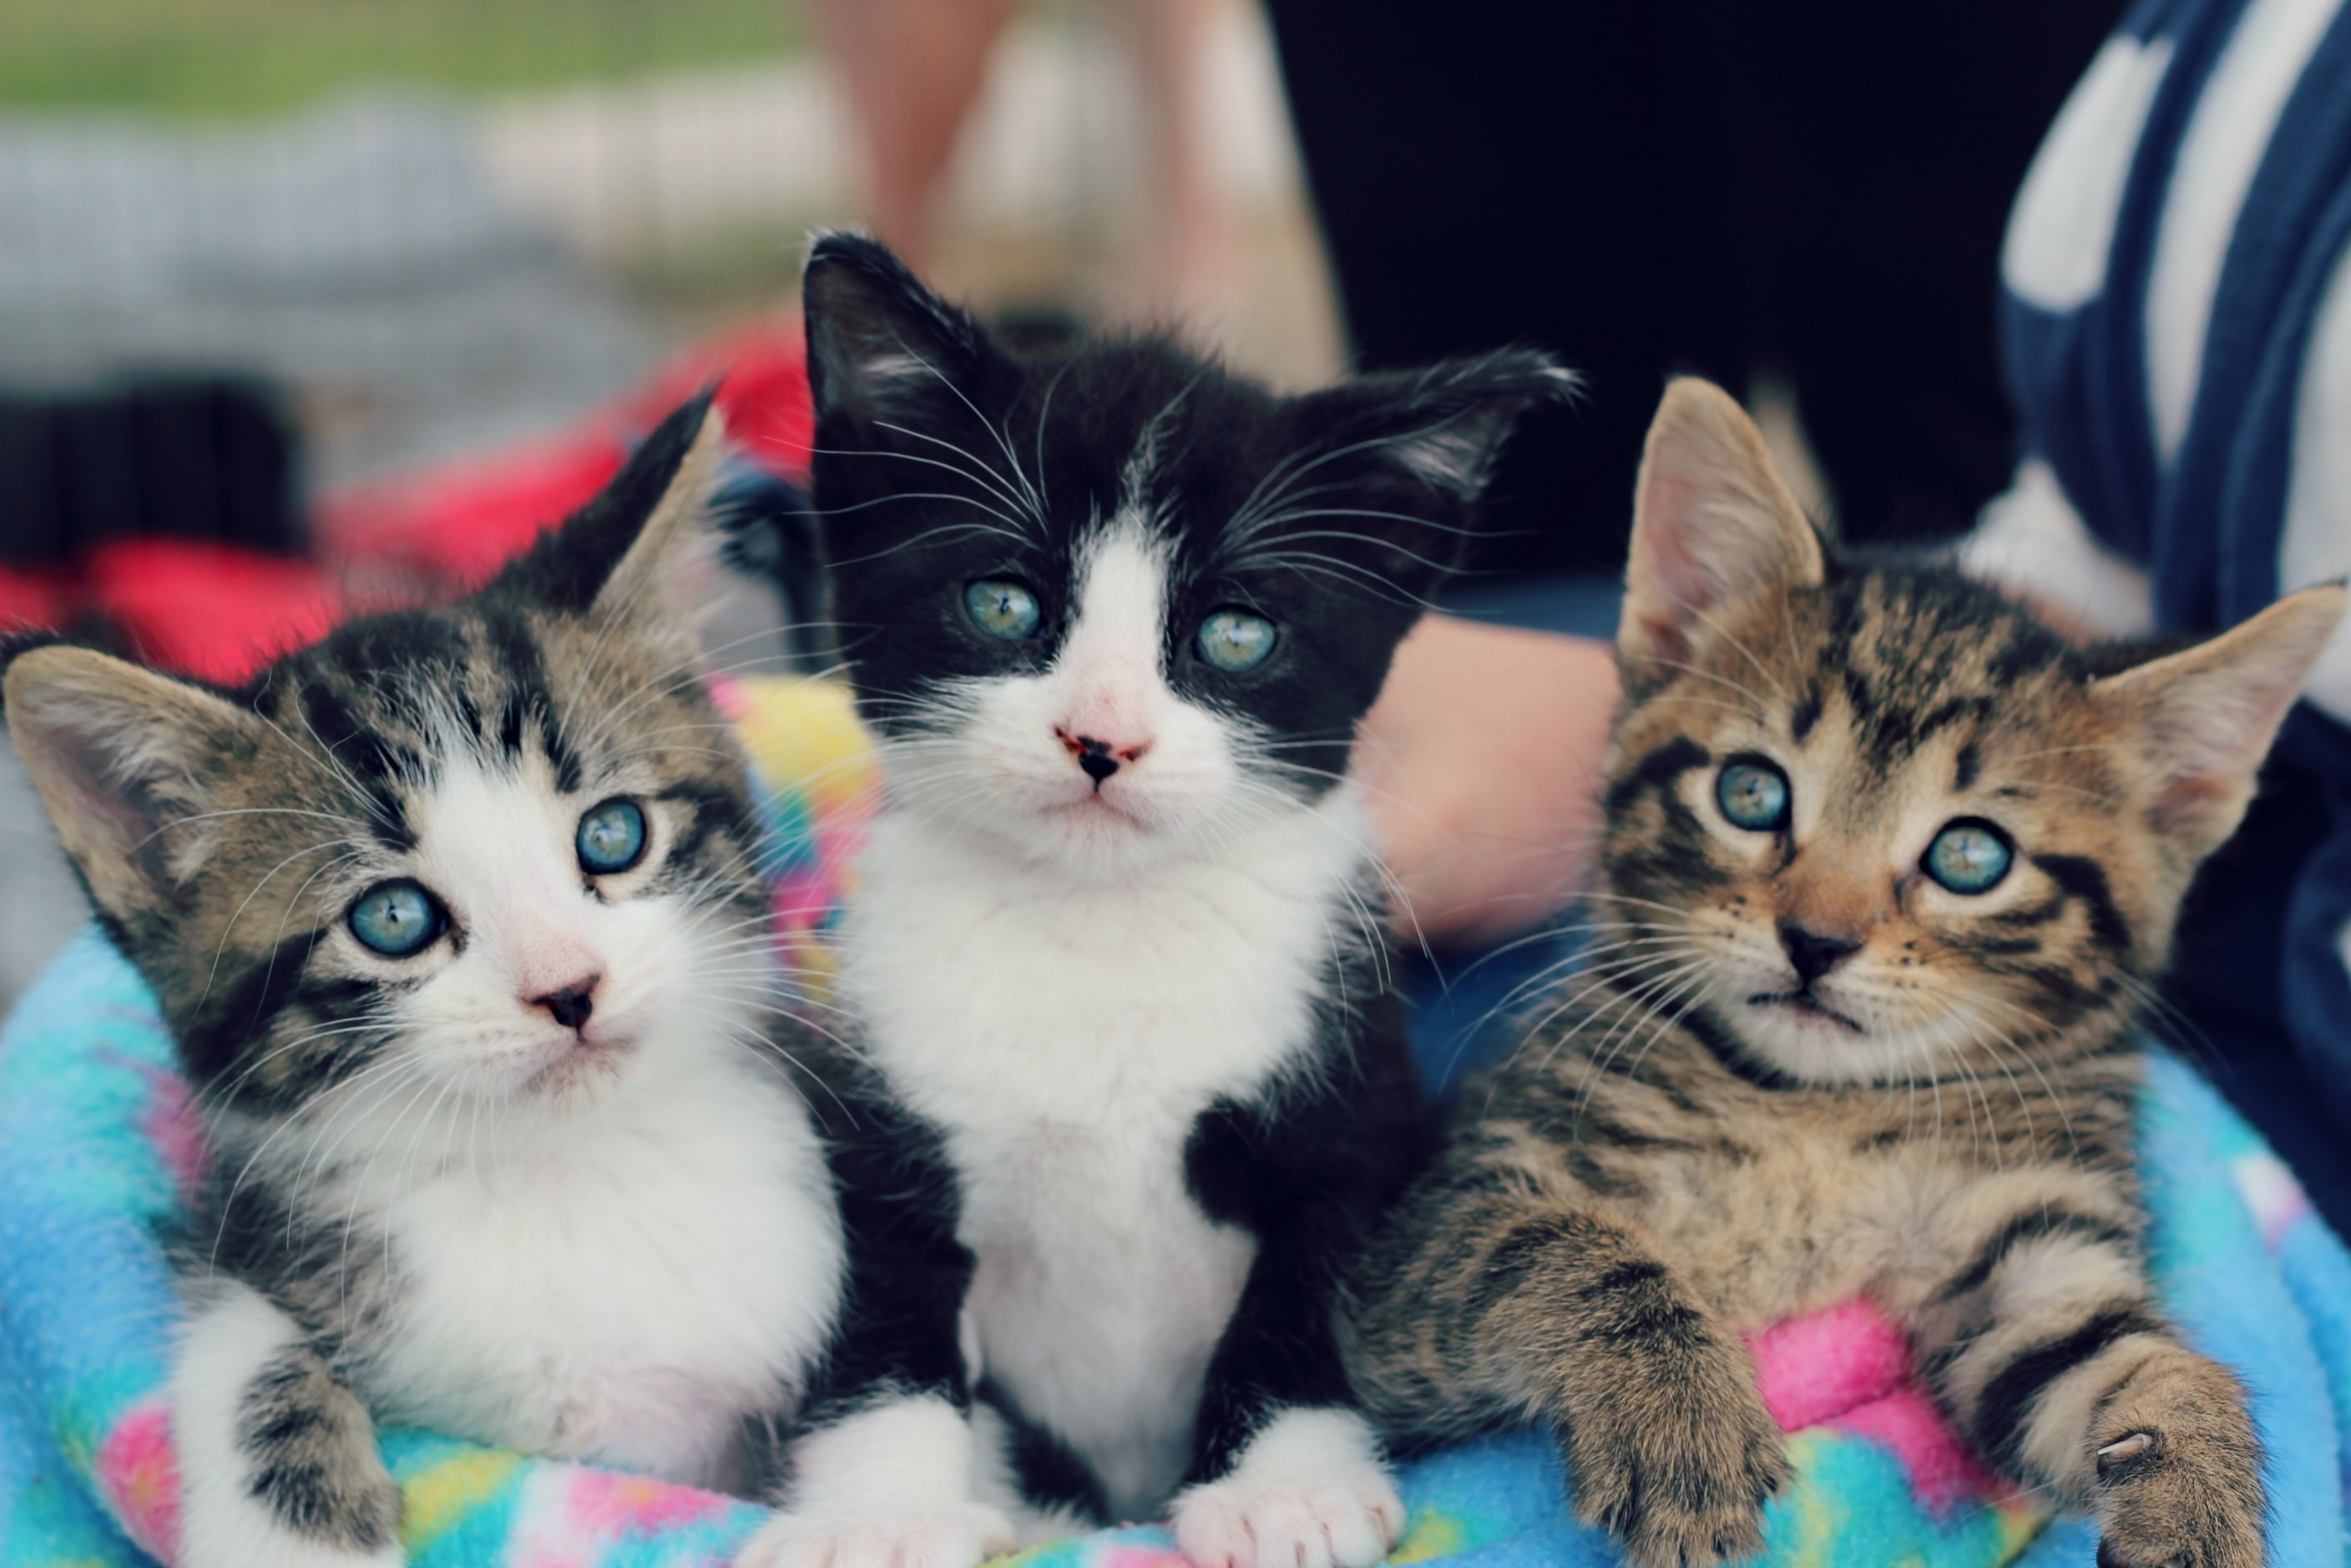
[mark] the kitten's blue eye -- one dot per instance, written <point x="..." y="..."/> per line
<point x="612" y="838"/>
<point x="1000" y="609"/>
<point x="398" y="919"/>
<point x="1754" y="795"/>
<point x="1968" y="857"/>
<point x="1235" y="640"/>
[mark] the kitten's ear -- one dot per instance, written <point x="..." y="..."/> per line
<point x="2207" y="713"/>
<point x="124" y="758"/>
<point x="879" y="343"/>
<point x="1429" y="436"/>
<point x="641" y="548"/>
<point x="1712" y="523"/>
<point x="1443" y="426"/>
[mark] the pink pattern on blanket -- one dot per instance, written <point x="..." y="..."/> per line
<point x="172" y="1126"/>
<point x="1128" y="1555"/>
<point x="1848" y="1367"/>
<point x="139" y="1471"/>
<point x="614" y="1504"/>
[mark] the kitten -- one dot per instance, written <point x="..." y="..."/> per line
<point x="1137" y="1086"/>
<point x="1894" y="871"/>
<point x="457" y="920"/>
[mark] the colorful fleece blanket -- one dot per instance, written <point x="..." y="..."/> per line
<point x="97" y="1146"/>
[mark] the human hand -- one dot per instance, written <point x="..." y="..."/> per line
<point x="1483" y="757"/>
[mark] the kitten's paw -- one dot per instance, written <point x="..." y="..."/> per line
<point x="2177" y="1470"/>
<point x="223" y="1525"/>
<point x="2178" y="1520"/>
<point x="1334" y="1524"/>
<point x="1307" y="1492"/>
<point x="1677" y="1459"/>
<point x="2165" y="1509"/>
<point x="953" y="1538"/>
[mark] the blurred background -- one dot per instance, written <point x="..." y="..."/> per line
<point x="261" y="257"/>
<point x="309" y="304"/>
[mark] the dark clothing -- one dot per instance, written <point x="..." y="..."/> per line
<point x="1689" y="185"/>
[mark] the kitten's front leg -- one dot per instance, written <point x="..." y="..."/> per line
<point x="1309" y="1489"/>
<point x="279" y="1466"/>
<point x="1488" y="1306"/>
<point x="1286" y="1472"/>
<point x="893" y="1484"/>
<point x="888" y="1474"/>
<point x="2048" y="1347"/>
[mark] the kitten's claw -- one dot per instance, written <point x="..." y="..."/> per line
<point x="2170" y="1515"/>
<point x="960" y="1538"/>
<point x="2178" y="1469"/>
<point x="1350" y="1523"/>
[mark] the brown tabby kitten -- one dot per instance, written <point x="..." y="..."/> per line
<point x="1893" y="869"/>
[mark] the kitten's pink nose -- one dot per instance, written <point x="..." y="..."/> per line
<point x="571" y="1005"/>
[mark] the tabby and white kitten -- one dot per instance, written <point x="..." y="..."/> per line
<point x="457" y="920"/>
<point x="1137" y="1085"/>
<point x="1891" y="872"/>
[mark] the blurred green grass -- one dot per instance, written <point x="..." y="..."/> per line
<point x="234" y="58"/>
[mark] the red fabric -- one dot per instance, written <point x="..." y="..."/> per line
<point x="35" y="600"/>
<point x="763" y="389"/>
<point x="209" y="610"/>
<point x="220" y="613"/>
<point x="457" y="523"/>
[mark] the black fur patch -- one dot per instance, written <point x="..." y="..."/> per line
<point x="944" y="459"/>
<point x="2032" y="1225"/>
<point x="2006" y="1403"/>
<point x="309" y="1452"/>
<point x="2085" y="882"/>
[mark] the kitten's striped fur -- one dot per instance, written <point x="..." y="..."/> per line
<point x="537" y="1182"/>
<point x="1704" y="1133"/>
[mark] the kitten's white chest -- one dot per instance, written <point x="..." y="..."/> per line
<point x="1101" y="1290"/>
<point x="1066" y="1040"/>
<point x="627" y="1296"/>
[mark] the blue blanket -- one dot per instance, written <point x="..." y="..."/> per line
<point x="96" y="1147"/>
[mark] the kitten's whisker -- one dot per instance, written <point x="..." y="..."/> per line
<point x="984" y="475"/>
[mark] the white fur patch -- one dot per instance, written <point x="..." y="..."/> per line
<point x="1311" y="1490"/>
<point x="1007" y="767"/>
<point x="1063" y="979"/>
<point x="890" y="1486"/>
<point x="611" y="1247"/>
<point x="1061" y="1035"/>
<point x="625" y="1295"/>
<point x="222" y="1345"/>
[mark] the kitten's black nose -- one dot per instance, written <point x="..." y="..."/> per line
<point x="1814" y="954"/>
<point x="570" y="1006"/>
<point x="1100" y="758"/>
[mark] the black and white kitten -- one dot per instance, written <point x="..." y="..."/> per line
<point x="457" y="921"/>
<point x="1136" y="1085"/>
